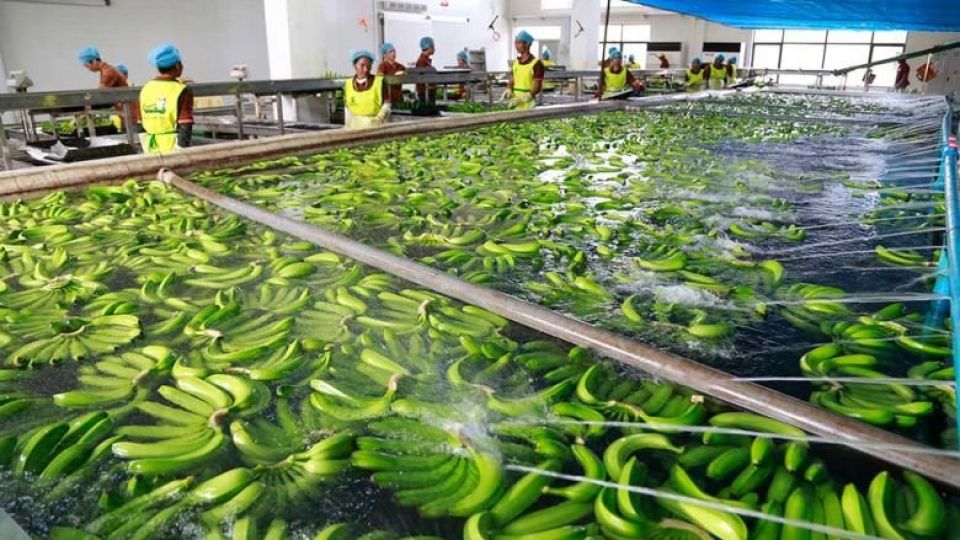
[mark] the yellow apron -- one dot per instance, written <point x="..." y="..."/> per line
<point x="694" y="80"/>
<point x="523" y="81"/>
<point x="548" y="85"/>
<point x="363" y="105"/>
<point x="614" y="82"/>
<point x="717" y="77"/>
<point x="158" y="114"/>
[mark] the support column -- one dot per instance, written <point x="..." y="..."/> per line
<point x="307" y="39"/>
<point x="584" y="48"/>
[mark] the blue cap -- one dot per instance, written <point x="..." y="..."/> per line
<point x="695" y="61"/>
<point x="462" y="55"/>
<point x="164" y="56"/>
<point x="123" y="69"/>
<point x="524" y="36"/>
<point x="630" y="58"/>
<point x="426" y="43"/>
<point x="546" y="54"/>
<point x="386" y="47"/>
<point x="615" y="54"/>
<point x="720" y="58"/>
<point x="88" y="54"/>
<point x="357" y="54"/>
<point x="733" y="59"/>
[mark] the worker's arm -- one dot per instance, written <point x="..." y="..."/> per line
<point x="185" y="118"/>
<point x="538" y="74"/>
<point x="635" y="82"/>
<point x="600" y="85"/>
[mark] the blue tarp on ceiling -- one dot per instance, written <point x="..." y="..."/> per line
<point x="922" y="15"/>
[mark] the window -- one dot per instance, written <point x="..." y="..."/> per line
<point x="630" y="39"/>
<point x="556" y="4"/>
<point x="541" y="34"/>
<point x="824" y="50"/>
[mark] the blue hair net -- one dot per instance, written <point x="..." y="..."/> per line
<point x="546" y="54"/>
<point x="733" y="59"/>
<point x="695" y="61"/>
<point x="720" y="58"/>
<point x="88" y="54"/>
<point x="524" y="36"/>
<point x="164" y="56"/>
<point x="462" y="55"/>
<point x="426" y="43"/>
<point x="357" y="54"/>
<point x="123" y="69"/>
<point x="385" y="48"/>
<point x="631" y="57"/>
<point x="615" y="54"/>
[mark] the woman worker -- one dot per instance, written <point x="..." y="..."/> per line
<point x="731" y="66"/>
<point x="526" y="78"/>
<point x="717" y="73"/>
<point x="614" y="78"/>
<point x="390" y="66"/>
<point x="694" y="76"/>
<point x="547" y="59"/>
<point x="366" y="103"/>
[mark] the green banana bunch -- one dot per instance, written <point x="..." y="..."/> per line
<point x="75" y="338"/>
<point x="60" y="448"/>
<point x="116" y="378"/>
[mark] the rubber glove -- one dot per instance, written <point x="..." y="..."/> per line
<point x="381" y="117"/>
<point x="506" y="95"/>
<point x="523" y="97"/>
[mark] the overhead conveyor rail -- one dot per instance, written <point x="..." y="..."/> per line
<point x="891" y="448"/>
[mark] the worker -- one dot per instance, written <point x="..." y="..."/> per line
<point x="664" y="61"/>
<point x="463" y="59"/>
<point x="526" y="77"/>
<point x="366" y="104"/>
<point x="426" y="93"/>
<point x="547" y="59"/>
<point x="166" y="104"/>
<point x="694" y="76"/>
<point x="731" y="67"/>
<point x="89" y="56"/>
<point x="110" y="77"/>
<point x="632" y="62"/>
<point x="125" y="72"/>
<point x="390" y="66"/>
<point x="902" y="80"/>
<point x="716" y="73"/>
<point x="463" y="62"/>
<point x="615" y="78"/>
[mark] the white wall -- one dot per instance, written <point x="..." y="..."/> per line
<point x="947" y="63"/>
<point x="212" y="35"/>
<point x="475" y="34"/>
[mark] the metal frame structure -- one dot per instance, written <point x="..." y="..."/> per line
<point x="948" y="181"/>
<point x="859" y="436"/>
